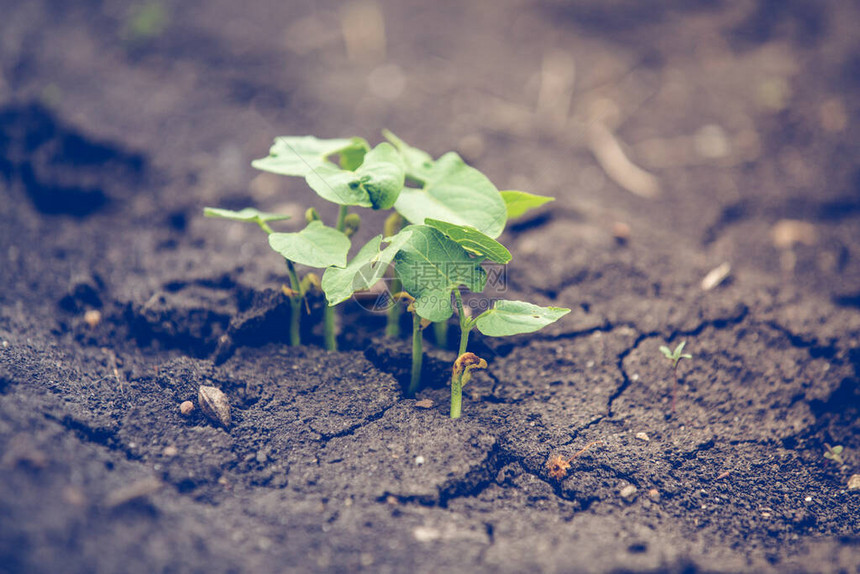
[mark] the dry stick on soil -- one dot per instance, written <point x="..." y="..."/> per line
<point x="675" y="356"/>
<point x="558" y="465"/>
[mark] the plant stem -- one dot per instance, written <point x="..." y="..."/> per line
<point x="456" y="395"/>
<point x="393" y="225"/>
<point x="440" y="329"/>
<point x="295" y="306"/>
<point x="457" y="380"/>
<point x="675" y="387"/>
<point x="329" y="326"/>
<point x="465" y="323"/>
<point x="392" y="327"/>
<point x="417" y="355"/>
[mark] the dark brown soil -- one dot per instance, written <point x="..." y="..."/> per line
<point x="114" y="136"/>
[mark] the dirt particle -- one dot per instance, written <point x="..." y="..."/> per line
<point x="654" y="495"/>
<point x="426" y="534"/>
<point x="185" y="408"/>
<point x="424" y="404"/>
<point x="643" y="436"/>
<point x="621" y="232"/>
<point x="134" y="491"/>
<point x="92" y="318"/>
<point x="170" y="451"/>
<point x="628" y="493"/>
<point x="74" y="496"/>
<point x="716" y="276"/>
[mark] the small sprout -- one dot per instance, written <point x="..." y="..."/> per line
<point x="834" y="453"/>
<point x="557" y="466"/>
<point x="675" y="356"/>
<point x="462" y="374"/>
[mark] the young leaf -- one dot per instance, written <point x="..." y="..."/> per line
<point x="315" y="246"/>
<point x="666" y="351"/>
<point x="301" y="155"/>
<point x="430" y="266"/>
<point x="472" y="240"/>
<point x="418" y="162"/>
<point x="515" y="317"/>
<point x="248" y="215"/>
<point x="363" y="271"/>
<point x="520" y="202"/>
<point x="375" y="183"/>
<point x="457" y="193"/>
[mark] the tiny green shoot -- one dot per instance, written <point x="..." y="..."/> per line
<point x="675" y="356"/>
<point x="834" y="453"/>
<point x="461" y="373"/>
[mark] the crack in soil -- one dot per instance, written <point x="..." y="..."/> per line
<point x="353" y="428"/>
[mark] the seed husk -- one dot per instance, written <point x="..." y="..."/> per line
<point x="214" y="404"/>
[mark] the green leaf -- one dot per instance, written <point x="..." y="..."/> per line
<point x="301" y="155"/>
<point x="363" y="271"/>
<point x="520" y="202"/>
<point x="248" y="215"/>
<point x="315" y="246"/>
<point x="430" y="266"/>
<point x="515" y="317"/>
<point x="472" y="240"/>
<point x="418" y="162"/>
<point x="376" y="183"/>
<point x="680" y="348"/>
<point x="456" y="193"/>
<point x="666" y="351"/>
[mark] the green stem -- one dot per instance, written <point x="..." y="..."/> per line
<point x="330" y="329"/>
<point x="295" y="306"/>
<point x="417" y="356"/>
<point x="440" y="329"/>
<point x="456" y="396"/>
<point x="465" y="323"/>
<point x="392" y="328"/>
<point x="457" y="381"/>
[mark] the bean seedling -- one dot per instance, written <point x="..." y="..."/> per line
<point x="444" y="228"/>
<point x="675" y="356"/>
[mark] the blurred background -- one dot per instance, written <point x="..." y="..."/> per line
<point x="725" y="125"/>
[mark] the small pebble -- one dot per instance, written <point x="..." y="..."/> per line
<point x="186" y="408"/>
<point x="654" y="495"/>
<point x="419" y="460"/>
<point x="170" y="451"/>
<point x="93" y="317"/>
<point x="628" y="493"/>
<point x="643" y="436"/>
<point x="808" y="499"/>
<point x="854" y="482"/>
<point x="621" y="232"/>
<point x="424" y="404"/>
